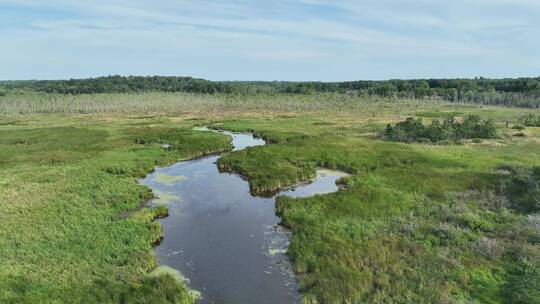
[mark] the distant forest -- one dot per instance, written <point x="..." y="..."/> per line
<point x="519" y="92"/>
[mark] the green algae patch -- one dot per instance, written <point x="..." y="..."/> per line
<point x="163" y="198"/>
<point x="276" y="251"/>
<point x="322" y="172"/>
<point x="167" y="179"/>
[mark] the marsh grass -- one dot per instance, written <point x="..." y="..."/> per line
<point x="417" y="223"/>
<point x="408" y="228"/>
<point x="71" y="226"/>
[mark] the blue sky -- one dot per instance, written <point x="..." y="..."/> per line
<point x="270" y="40"/>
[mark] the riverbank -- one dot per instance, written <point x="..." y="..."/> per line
<point x="70" y="227"/>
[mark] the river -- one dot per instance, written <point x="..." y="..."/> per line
<point x="226" y="242"/>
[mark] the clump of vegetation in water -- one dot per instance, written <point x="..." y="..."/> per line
<point x="413" y="130"/>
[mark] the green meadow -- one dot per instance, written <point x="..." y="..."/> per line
<point x="414" y="223"/>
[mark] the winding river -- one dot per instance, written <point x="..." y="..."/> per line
<point x="226" y="242"/>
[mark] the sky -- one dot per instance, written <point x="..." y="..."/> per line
<point x="295" y="40"/>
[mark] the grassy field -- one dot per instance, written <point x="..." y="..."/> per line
<point x="417" y="223"/>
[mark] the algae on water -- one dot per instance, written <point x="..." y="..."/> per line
<point x="164" y="178"/>
<point x="164" y="198"/>
<point x="322" y="172"/>
<point x="275" y="251"/>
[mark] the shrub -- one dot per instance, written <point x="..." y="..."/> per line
<point x="534" y="222"/>
<point x="445" y="231"/>
<point x="523" y="189"/>
<point x="529" y="120"/>
<point x="523" y="285"/>
<point x="413" y="130"/>
<point x="488" y="248"/>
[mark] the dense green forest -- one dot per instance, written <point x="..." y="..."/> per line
<point x="519" y="92"/>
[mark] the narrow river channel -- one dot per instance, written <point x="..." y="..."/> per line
<point x="225" y="241"/>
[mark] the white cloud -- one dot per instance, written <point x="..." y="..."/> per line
<point x="301" y="39"/>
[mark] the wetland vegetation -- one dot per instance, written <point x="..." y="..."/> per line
<point x="530" y="120"/>
<point x="416" y="222"/>
<point x="472" y="127"/>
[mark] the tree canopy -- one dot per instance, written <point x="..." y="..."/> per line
<point x="520" y="92"/>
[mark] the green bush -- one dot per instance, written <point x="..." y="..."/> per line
<point x="530" y="120"/>
<point x="523" y="285"/>
<point x="413" y="130"/>
<point x="523" y="189"/>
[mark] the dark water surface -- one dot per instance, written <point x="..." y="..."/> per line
<point x="225" y="241"/>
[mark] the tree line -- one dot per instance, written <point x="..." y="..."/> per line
<point x="520" y="92"/>
<point x="121" y="84"/>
